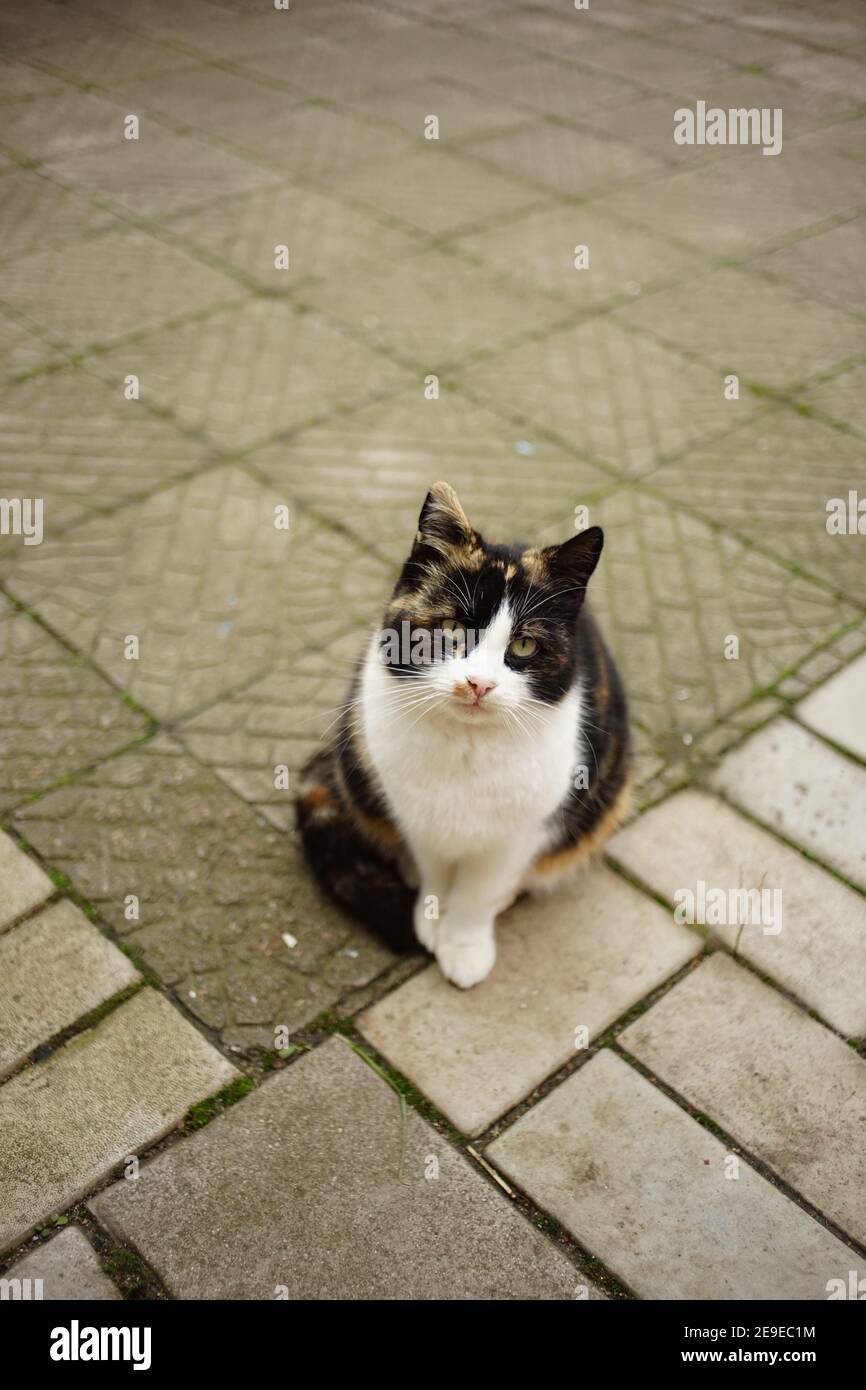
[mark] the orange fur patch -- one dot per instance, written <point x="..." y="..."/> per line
<point x="558" y="862"/>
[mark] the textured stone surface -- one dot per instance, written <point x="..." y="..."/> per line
<point x="68" y="1268"/>
<point x="816" y="942"/>
<point x="302" y="1179"/>
<point x="578" y="958"/>
<point x="214" y="591"/>
<point x="836" y="709"/>
<point x="771" y="482"/>
<point x="65" y="1124"/>
<point x="826" y="265"/>
<point x="785" y="1088"/>
<point x="796" y="784"/>
<point x="843" y="397"/>
<point x="35" y="210"/>
<point x="23" y="885"/>
<point x="54" y="969"/>
<point x="572" y="163"/>
<point x="56" y="714"/>
<point x="218" y="891"/>
<point x="647" y="1190"/>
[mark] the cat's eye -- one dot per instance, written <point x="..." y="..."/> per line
<point x="523" y="647"/>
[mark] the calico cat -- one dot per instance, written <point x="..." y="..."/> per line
<point x="483" y="749"/>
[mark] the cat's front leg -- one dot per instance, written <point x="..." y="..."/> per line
<point x="435" y="876"/>
<point x="483" y="886"/>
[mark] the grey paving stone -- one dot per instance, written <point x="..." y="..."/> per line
<point x="23" y="885"/>
<point x="56" y="713"/>
<point x="36" y="211"/>
<point x="299" y="1181"/>
<point x="91" y="293"/>
<point x="54" y="969"/>
<point x="317" y="144"/>
<point x="816" y="943"/>
<point x="433" y="309"/>
<point x="75" y="440"/>
<point x="836" y="709"/>
<point x="657" y="63"/>
<point x="615" y="395"/>
<point x="843" y="397"/>
<point x="65" y="1124"/>
<point x="797" y="785"/>
<point x="68" y="1269"/>
<point x="765" y="333"/>
<point x="648" y="1191"/>
<point x="242" y="375"/>
<point x="572" y="163"/>
<point x="780" y="1084"/>
<point x="58" y="126"/>
<point x="538" y="85"/>
<point x="205" y="98"/>
<point x="578" y="958"/>
<point x="23" y="348"/>
<point x="18" y="81"/>
<point x="228" y="913"/>
<point x="110" y="56"/>
<point x="212" y="589"/>
<point x="462" y="114"/>
<point x="826" y="265"/>
<point x="771" y="483"/>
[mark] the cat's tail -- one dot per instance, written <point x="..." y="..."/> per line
<point x="361" y="879"/>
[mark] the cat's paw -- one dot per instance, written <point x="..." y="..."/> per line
<point x="466" y="960"/>
<point x="425" y="927"/>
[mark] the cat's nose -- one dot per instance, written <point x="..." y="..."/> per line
<point x="479" y="686"/>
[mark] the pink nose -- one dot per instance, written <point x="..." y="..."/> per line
<point x="480" y="686"/>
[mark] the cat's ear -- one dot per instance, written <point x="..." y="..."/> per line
<point x="443" y="524"/>
<point x="574" y="561"/>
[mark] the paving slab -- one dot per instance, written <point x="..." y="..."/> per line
<point x="569" y="162"/>
<point x="65" y="123"/>
<point x="783" y="1086"/>
<point x="228" y="913"/>
<point x="214" y="591"/>
<point x="23" y="885"/>
<point x="762" y="332"/>
<point x="239" y="376"/>
<point x="68" y="1269"/>
<point x="771" y="482"/>
<point x="836" y="709"/>
<point x="295" y="1193"/>
<point x="462" y="115"/>
<point x="36" y="211"/>
<point x="617" y="396"/>
<point x="843" y="397"/>
<point x="54" y="968"/>
<point x="825" y="265"/>
<point x="575" y="959"/>
<point x="812" y="936"/>
<point x="66" y="1123"/>
<point x="23" y="348"/>
<point x="796" y="784"/>
<point x="652" y="1194"/>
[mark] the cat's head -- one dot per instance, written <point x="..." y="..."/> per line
<point x="485" y="633"/>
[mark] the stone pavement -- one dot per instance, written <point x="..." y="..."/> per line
<point x="235" y="350"/>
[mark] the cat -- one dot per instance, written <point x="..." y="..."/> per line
<point x="483" y="749"/>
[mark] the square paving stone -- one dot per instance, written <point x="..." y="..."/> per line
<point x="296" y="1189"/>
<point x="158" y="173"/>
<point x="616" y="395"/>
<point x="317" y="144"/>
<point x="572" y="163"/>
<point x="54" y="969"/>
<point x="655" y="64"/>
<point x="815" y="946"/>
<point x="461" y="114"/>
<point x="99" y="288"/>
<point x="836" y="709"/>
<point x="537" y="84"/>
<point x="798" y="785"/>
<point x="843" y="397"/>
<point x="647" y="1190"/>
<point x="323" y="236"/>
<point x="35" y="211"/>
<point x="68" y="1269"/>
<point x="539" y="251"/>
<point x="23" y="885"/>
<point x="671" y="589"/>
<point x="205" y="98"/>
<point x="434" y="191"/>
<point x="110" y="56"/>
<point x="434" y="309"/>
<point x="788" y="1090"/>
<point x="19" y="81"/>
<point x="82" y="447"/>
<point x="770" y="482"/>
<point x="579" y="958"/>
<point x="369" y="471"/>
<point x="24" y="347"/>
<point x="827" y="266"/>
<point x="228" y="913"/>
<point x="59" y="126"/>
<point x="201" y="575"/>
<point x="242" y="375"/>
<point x="765" y="333"/>
<point x="68" y="1122"/>
<point x="56" y="713"/>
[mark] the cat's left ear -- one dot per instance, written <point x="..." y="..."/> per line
<point x="443" y="524"/>
<point x="574" y="561"/>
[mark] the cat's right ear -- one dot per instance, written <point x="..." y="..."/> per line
<point x="443" y="524"/>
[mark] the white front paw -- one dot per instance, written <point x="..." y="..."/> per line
<point x="425" y="927"/>
<point x="465" y="960"/>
